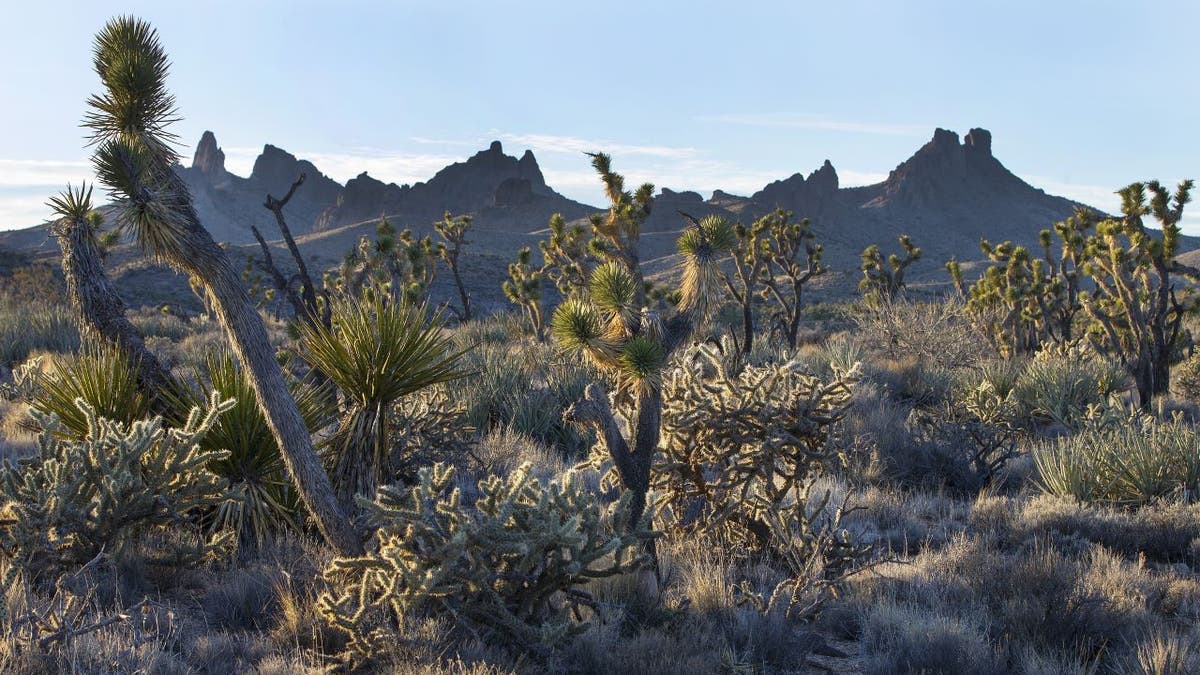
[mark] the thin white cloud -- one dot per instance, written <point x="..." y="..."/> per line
<point x="388" y="166"/>
<point x="24" y="209"/>
<point x="549" y="143"/>
<point x="815" y="123"/>
<point x="29" y="172"/>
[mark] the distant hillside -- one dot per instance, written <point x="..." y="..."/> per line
<point x="948" y="196"/>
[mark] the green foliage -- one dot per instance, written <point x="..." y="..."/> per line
<point x="507" y="566"/>
<point x="883" y="278"/>
<point x="376" y="350"/>
<point x="739" y="446"/>
<point x="1185" y="380"/>
<point x="1022" y="302"/>
<point x="104" y="490"/>
<point x="565" y="256"/>
<point x="102" y="376"/>
<point x="603" y="316"/>
<point x="1130" y="458"/>
<point x="38" y="284"/>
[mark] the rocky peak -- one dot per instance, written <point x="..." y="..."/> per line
<point x="824" y="180"/>
<point x="275" y="165"/>
<point x="209" y="158"/>
<point x="979" y="140"/>
<point x="943" y="139"/>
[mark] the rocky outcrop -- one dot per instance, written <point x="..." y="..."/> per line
<point x="501" y="187"/>
<point x="209" y="158"/>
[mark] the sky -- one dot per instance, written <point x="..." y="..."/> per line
<point x="1081" y="97"/>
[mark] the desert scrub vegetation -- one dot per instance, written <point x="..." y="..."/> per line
<point x="699" y="472"/>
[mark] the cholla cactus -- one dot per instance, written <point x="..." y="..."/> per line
<point x="1024" y="301"/>
<point x="506" y="565"/>
<point x="738" y="447"/>
<point x="884" y="279"/>
<point x="74" y="498"/>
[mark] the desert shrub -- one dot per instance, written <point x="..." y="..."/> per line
<point x="506" y="567"/>
<point x="525" y="387"/>
<point x="160" y="323"/>
<point x="902" y="639"/>
<point x="963" y="443"/>
<point x="103" y="491"/>
<point x="907" y="378"/>
<point x="31" y="327"/>
<point x="1123" y="459"/>
<point x="936" y="333"/>
<point x="1061" y="382"/>
<point x="1185" y="379"/>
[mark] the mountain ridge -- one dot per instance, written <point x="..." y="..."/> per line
<point x="947" y="195"/>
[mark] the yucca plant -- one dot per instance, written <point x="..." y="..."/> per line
<point x="102" y="376"/>
<point x="376" y="350"/>
<point x="261" y="498"/>
<point x="610" y="323"/>
<point x="135" y="158"/>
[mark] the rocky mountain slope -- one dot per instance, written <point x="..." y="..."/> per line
<point x="947" y="196"/>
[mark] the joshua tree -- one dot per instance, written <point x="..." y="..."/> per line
<point x="1024" y="301"/>
<point x="454" y="238"/>
<point x="884" y="279"/>
<point x="565" y="256"/>
<point x="790" y="259"/>
<point x="134" y="157"/>
<point x="99" y="308"/>
<point x="524" y="288"/>
<point x="397" y="263"/>
<point x="1137" y="311"/>
<point x="609" y="322"/>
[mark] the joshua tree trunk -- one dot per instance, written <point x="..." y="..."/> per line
<point x="252" y="348"/>
<point x="99" y="308"/>
<point x="464" y="297"/>
<point x="633" y="464"/>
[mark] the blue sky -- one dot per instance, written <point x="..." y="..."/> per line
<point x="1081" y="97"/>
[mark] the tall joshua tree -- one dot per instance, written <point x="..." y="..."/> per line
<point x="1135" y="305"/>
<point x="453" y="232"/>
<point x="134" y="157"/>
<point x="610" y="323"/>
